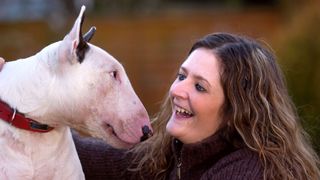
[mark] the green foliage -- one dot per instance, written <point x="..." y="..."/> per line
<point x="300" y="56"/>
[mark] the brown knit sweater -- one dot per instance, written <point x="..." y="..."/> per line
<point x="212" y="159"/>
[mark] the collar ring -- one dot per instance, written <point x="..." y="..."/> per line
<point x="13" y="115"/>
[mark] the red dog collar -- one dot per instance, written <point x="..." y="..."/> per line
<point x="17" y="119"/>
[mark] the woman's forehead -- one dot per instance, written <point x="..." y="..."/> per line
<point x="202" y="63"/>
<point x="201" y="58"/>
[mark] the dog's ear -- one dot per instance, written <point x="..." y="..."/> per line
<point x="74" y="45"/>
<point x="87" y="37"/>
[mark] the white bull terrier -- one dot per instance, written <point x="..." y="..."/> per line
<point x="70" y="83"/>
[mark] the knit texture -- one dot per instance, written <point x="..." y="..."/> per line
<point x="99" y="160"/>
<point x="212" y="159"/>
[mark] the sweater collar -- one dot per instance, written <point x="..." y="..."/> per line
<point x="201" y="153"/>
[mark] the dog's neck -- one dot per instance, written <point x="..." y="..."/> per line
<point x="17" y="119"/>
<point x="25" y="83"/>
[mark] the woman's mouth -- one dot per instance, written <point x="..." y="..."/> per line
<point x="181" y="112"/>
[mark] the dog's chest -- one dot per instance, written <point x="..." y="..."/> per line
<point x="19" y="160"/>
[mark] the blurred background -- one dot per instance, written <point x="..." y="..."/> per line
<point x="152" y="37"/>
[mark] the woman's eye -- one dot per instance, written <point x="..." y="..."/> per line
<point x="200" y="88"/>
<point x="181" y="77"/>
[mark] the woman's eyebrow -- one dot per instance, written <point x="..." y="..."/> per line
<point x="196" y="76"/>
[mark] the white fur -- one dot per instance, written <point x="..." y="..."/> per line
<point x="53" y="88"/>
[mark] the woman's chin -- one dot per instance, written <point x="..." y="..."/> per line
<point x="174" y="129"/>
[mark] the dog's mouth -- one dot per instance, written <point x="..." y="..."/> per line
<point x="111" y="129"/>
<point x="118" y="141"/>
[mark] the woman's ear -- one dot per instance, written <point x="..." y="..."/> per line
<point x="2" y="61"/>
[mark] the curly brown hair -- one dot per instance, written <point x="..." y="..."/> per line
<point x="257" y="109"/>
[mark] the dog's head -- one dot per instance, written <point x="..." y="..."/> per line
<point x="91" y="91"/>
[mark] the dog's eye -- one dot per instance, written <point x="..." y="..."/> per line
<point x="114" y="74"/>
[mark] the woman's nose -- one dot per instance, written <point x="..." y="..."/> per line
<point x="179" y="90"/>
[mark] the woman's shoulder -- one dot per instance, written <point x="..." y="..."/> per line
<point x="242" y="163"/>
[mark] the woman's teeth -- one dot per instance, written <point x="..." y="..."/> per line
<point x="183" y="112"/>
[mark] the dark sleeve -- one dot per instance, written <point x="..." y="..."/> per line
<point x="242" y="164"/>
<point x="99" y="160"/>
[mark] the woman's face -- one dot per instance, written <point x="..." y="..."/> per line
<point x="197" y="97"/>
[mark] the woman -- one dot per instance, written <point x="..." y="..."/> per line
<point x="227" y="116"/>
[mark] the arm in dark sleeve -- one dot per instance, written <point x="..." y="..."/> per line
<point x="99" y="160"/>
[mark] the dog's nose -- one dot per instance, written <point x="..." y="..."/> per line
<point x="146" y="133"/>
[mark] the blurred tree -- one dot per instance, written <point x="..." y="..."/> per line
<point x="299" y="52"/>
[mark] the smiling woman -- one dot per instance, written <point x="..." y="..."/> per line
<point x="227" y="115"/>
<point x="197" y="97"/>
